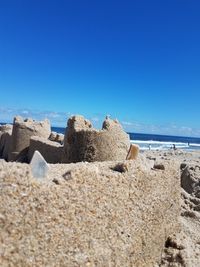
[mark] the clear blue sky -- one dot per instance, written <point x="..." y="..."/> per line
<point x="138" y="61"/>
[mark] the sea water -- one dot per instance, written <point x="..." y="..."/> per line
<point x="157" y="142"/>
<point x="164" y="142"/>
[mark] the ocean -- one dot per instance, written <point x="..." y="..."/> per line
<point x="157" y="142"/>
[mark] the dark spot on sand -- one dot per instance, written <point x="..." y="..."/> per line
<point x="67" y="176"/>
<point x="120" y="167"/>
<point x="183" y="165"/>
<point x="55" y="181"/>
<point x="173" y="244"/>
<point x="159" y="166"/>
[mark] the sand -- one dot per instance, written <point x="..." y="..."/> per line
<point x="96" y="214"/>
<point x="183" y="249"/>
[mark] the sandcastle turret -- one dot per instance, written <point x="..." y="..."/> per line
<point x="84" y="143"/>
<point x="22" y="131"/>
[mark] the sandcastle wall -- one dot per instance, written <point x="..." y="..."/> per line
<point x="57" y="137"/>
<point x="51" y="151"/>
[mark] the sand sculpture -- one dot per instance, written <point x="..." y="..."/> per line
<point x="113" y="213"/>
<point x="56" y="137"/>
<point x="51" y="151"/>
<point x="84" y="143"/>
<point x="22" y="131"/>
<point x="81" y="141"/>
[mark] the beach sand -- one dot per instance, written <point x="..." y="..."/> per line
<point x="81" y="215"/>
<point x="183" y="249"/>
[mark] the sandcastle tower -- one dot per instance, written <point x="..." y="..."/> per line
<point x="84" y="143"/>
<point x="22" y="131"/>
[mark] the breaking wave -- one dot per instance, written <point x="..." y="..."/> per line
<point x="161" y="145"/>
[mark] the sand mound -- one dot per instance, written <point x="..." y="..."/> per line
<point x="87" y="214"/>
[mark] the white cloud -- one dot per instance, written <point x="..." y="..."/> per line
<point x="56" y="118"/>
<point x="53" y="115"/>
<point x="25" y="112"/>
<point x="170" y="129"/>
<point x="126" y="123"/>
<point x="60" y="119"/>
<point x="95" y="119"/>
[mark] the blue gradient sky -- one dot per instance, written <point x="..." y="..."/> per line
<point x="138" y="61"/>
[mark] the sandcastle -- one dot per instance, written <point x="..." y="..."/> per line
<point x="84" y="143"/>
<point x="81" y="141"/>
<point x="52" y="151"/>
<point x="113" y="211"/>
<point x="22" y="131"/>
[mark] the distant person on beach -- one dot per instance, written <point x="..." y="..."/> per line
<point x="174" y="147"/>
<point x="149" y="147"/>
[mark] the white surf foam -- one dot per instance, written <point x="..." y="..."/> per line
<point x="160" y="145"/>
<point x="193" y="144"/>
